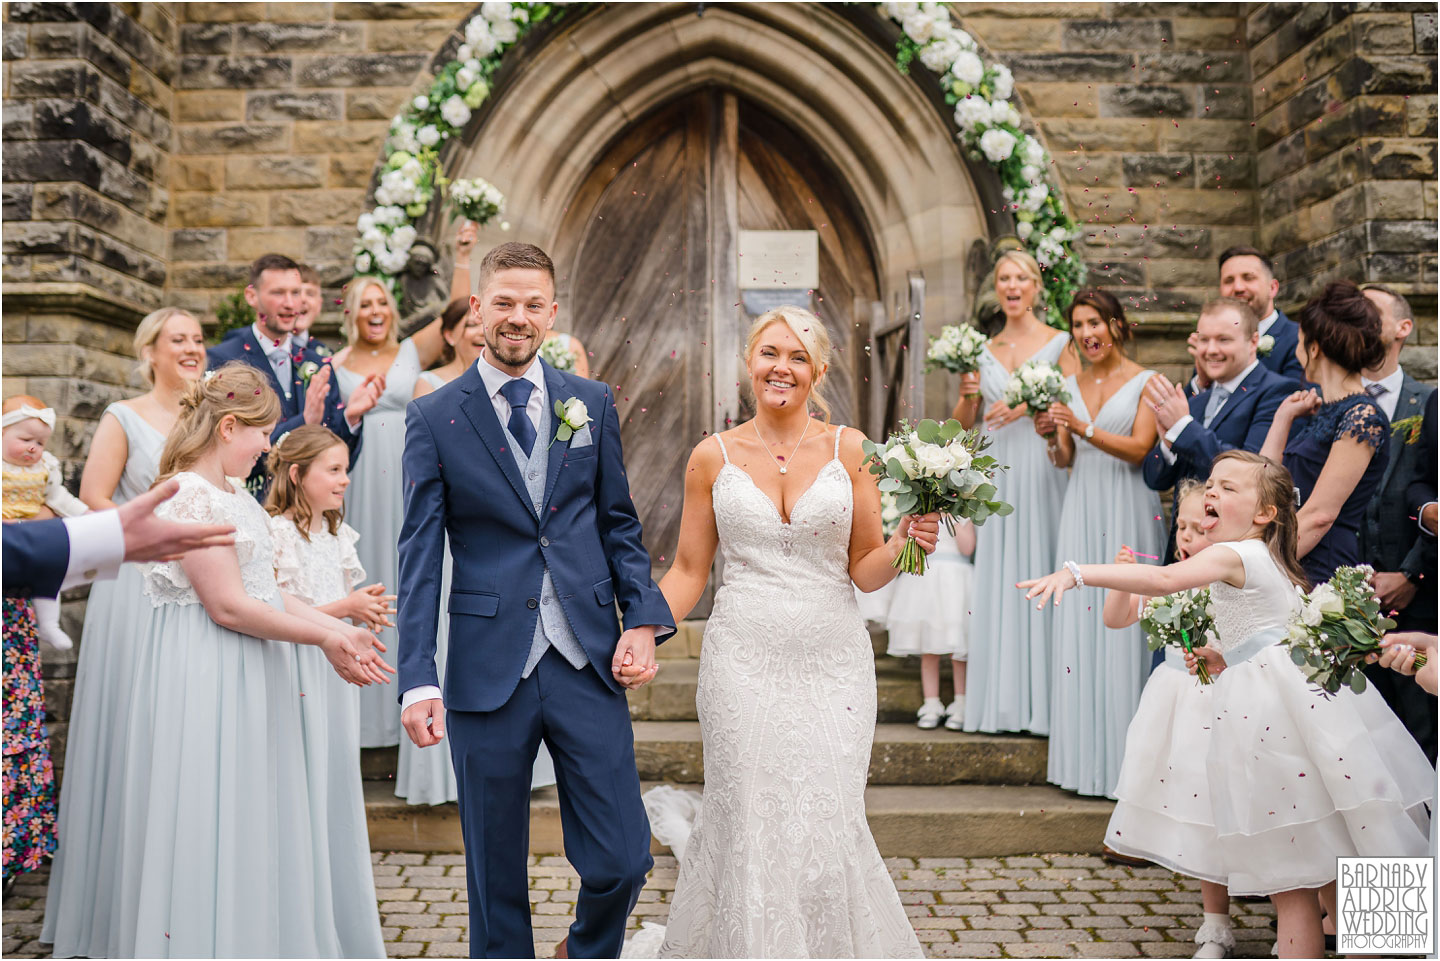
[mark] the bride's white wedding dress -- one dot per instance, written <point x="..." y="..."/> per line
<point x="781" y="862"/>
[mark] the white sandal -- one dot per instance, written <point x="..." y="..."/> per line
<point x="955" y="714"/>
<point x="929" y="716"/>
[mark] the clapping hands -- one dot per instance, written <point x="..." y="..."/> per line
<point x="369" y="607"/>
<point x="365" y="397"/>
<point x="1167" y="400"/>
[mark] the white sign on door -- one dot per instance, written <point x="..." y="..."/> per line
<point x="779" y="259"/>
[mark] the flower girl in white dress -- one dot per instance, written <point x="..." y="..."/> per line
<point x="1162" y="812"/>
<point x="1295" y="780"/>
<point x="929" y="616"/>
<point x="315" y="561"/>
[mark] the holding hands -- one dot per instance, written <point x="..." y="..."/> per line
<point x="633" y="665"/>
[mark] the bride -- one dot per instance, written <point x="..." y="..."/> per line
<point x="781" y="862"/>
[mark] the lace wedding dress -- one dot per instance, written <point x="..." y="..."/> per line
<point x="781" y="862"/>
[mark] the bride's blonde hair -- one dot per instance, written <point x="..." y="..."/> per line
<point x="812" y="335"/>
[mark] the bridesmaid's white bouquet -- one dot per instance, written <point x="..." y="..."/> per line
<point x="935" y="467"/>
<point x="956" y="349"/>
<point x="1037" y="385"/>
<point x="1181" y="619"/>
<point x="1338" y="624"/>
<point x="556" y="355"/>
<point x="476" y="200"/>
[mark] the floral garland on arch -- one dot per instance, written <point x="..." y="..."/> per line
<point x="990" y="130"/>
<point x="410" y="175"/>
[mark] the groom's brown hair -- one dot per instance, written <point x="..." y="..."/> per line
<point x="515" y="255"/>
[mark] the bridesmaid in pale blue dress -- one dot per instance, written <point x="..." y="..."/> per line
<point x="1009" y="674"/>
<point x="124" y="458"/>
<point x="375" y="501"/>
<point x="426" y="775"/>
<point x="315" y="561"/>
<point x="1098" y="673"/>
<point x="218" y="854"/>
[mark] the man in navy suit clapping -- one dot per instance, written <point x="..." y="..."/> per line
<point x="300" y="376"/>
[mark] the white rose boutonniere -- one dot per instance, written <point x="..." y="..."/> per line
<point x="572" y="415"/>
<point x="308" y="370"/>
<point x="1267" y="344"/>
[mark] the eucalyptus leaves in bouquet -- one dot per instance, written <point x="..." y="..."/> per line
<point x="1338" y="624"/>
<point x="1180" y="620"/>
<point x="1037" y="385"/>
<point x="936" y="468"/>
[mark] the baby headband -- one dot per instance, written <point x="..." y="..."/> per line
<point x="45" y="416"/>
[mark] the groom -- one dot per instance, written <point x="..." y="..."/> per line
<point x="530" y="486"/>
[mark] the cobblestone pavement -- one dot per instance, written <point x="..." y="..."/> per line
<point x="1047" y="906"/>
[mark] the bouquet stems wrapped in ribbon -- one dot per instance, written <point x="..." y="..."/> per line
<point x="956" y="349"/>
<point x="1037" y="385"/>
<point x="1339" y="623"/>
<point x="1180" y="620"/>
<point x="936" y="468"/>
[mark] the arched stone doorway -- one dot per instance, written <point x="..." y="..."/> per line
<point x="684" y="129"/>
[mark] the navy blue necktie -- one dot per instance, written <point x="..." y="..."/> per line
<point x="517" y="393"/>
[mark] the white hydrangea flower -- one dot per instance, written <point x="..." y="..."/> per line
<point x="966" y="41"/>
<point x="1004" y="81"/>
<point x="1034" y="197"/>
<point x="403" y="238"/>
<point x="362" y="263"/>
<point x="395" y="188"/>
<point x="371" y="236"/>
<point x="421" y="102"/>
<point x="464" y="77"/>
<point x="506" y="31"/>
<point x="465" y="52"/>
<point x="389" y="216"/>
<point x="404" y="138"/>
<point x="1001" y="112"/>
<point x="968" y="68"/>
<point x="428" y="135"/>
<point x="1024" y="229"/>
<point x="899" y="11"/>
<point x="365" y="224"/>
<point x="971" y="112"/>
<point x="1059" y="235"/>
<point x="1031" y="151"/>
<point x="939" y="54"/>
<point x="496" y="12"/>
<point x="454" y="111"/>
<point x="472" y="65"/>
<point x="997" y="144"/>
<point x="412" y="170"/>
<point x="392" y="262"/>
<point x="919" y="26"/>
<point x="1030" y="173"/>
<point x="479" y="37"/>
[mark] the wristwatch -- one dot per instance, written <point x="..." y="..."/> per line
<point x="1089" y="431"/>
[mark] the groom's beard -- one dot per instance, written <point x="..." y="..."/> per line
<point x="512" y="354"/>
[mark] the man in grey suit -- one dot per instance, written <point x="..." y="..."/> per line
<point x="1391" y="540"/>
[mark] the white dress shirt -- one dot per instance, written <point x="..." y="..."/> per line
<point x="1390" y="399"/>
<point x="1268" y="322"/>
<point x="494" y="379"/>
<point x="97" y="547"/>
<point x="1177" y="428"/>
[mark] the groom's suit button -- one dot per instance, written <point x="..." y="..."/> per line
<point x="532" y="603"/>
<point x="544" y="542"/>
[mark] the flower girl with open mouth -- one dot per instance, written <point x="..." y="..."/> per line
<point x="1295" y="779"/>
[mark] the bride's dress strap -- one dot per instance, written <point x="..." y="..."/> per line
<point x="723" y="452"/>
<point x="838" y="431"/>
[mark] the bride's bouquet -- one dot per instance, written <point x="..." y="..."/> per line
<point x="476" y="200"/>
<point x="935" y="467"/>
<point x="1037" y="385"/>
<point x="1181" y="619"/>
<point x="956" y="349"/>
<point x="556" y="355"/>
<point x="1338" y="624"/>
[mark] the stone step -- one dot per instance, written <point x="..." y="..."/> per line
<point x="963" y="821"/>
<point x="671" y="696"/>
<point x="902" y="754"/>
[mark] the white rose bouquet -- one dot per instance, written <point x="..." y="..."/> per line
<point x="957" y="349"/>
<point x="1181" y="619"/>
<point x="476" y="200"/>
<point x="555" y="355"/>
<point x="889" y="514"/>
<point x="935" y="467"/>
<point x="1339" y="623"/>
<point x="1037" y="385"/>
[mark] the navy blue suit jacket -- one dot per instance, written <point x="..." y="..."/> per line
<point x="1282" y="359"/>
<point x="461" y="479"/>
<point x="36" y="555"/>
<point x="1242" y="423"/>
<point x="314" y="343"/>
<point x="244" y="347"/>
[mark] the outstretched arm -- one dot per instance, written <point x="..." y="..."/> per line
<point x="1121" y="607"/>
<point x="683" y="584"/>
<point x="1207" y="567"/>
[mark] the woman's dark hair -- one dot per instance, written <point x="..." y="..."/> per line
<point x="455" y="312"/>
<point x="1109" y="309"/>
<point x="1344" y="324"/>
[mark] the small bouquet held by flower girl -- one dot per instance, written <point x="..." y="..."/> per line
<point x="1339" y="623"/>
<point x="1180" y="620"/>
<point x="956" y="349"/>
<point x="934" y="467"/>
<point x="554" y="353"/>
<point x="1037" y="385"/>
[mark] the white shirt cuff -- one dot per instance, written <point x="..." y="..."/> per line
<point x="1178" y="428"/>
<point x="422" y="693"/>
<point x="97" y="547"/>
<point x="1421" y="514"/>
<point x="354" y="425"/>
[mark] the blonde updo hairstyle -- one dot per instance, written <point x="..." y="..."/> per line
<point x="354" y="293"/>
<point x="149" y="330"/>
<point x="299" y="449"/>
<point x="812" y="335"/>
<point x="237" y="390"/>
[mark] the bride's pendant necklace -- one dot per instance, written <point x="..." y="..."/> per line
<point x="792" y="451"/>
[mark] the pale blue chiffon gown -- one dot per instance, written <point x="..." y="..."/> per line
<point x="1009" y="672"/>
<point x="80" y="918"/>
<point x="427" y="775"/>
<point x="375" y="506"/>
<point x="1098" y="673"/>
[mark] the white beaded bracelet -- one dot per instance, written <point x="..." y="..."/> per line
<point x="1074" y="570"/>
